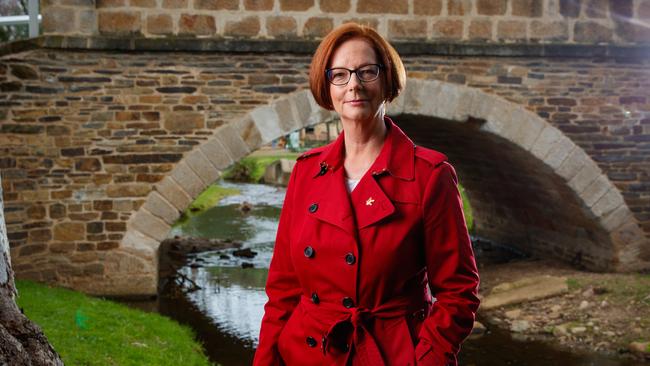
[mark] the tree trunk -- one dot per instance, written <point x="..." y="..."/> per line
<point x="21" y="341"/>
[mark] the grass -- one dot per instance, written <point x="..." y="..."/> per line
<point x="210" y="196"/>
<point x="90" y="331"/>
<point x="467" y="209"/>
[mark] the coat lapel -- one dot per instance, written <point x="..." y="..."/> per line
<point x="369" y="202"/>
<point x="333" y="201"/>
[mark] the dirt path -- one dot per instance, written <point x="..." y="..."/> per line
<point x="600" y="312"/>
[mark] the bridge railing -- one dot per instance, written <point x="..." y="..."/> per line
<point x="32" y="19"/>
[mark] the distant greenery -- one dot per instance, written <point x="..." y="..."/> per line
<point x="251" y="168"/>
<point x="90" y="331"/>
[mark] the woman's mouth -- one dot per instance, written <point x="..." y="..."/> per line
<point x="356" y="102"/>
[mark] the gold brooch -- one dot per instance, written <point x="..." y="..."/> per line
<point x="370" y="201"/>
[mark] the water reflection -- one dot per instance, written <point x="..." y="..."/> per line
<point x="232" y="298"/>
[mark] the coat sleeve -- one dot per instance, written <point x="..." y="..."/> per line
<point x="451" y="270"/>
<point x="282" y="286"/>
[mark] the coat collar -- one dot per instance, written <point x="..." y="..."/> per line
<point x="397" y="155"/>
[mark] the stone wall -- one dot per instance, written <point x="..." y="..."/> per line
<point x="85" y="137"/>
<point x="494" y="21"/>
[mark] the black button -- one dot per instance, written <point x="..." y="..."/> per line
<point x="347" y="302"/>
<point x="313" y="208"/>
<point x="350" y="259"/>
<point x="309" y="252"/>
<point x="323" y="170"/>
<point x="311" y="342"/>
<point x="314" y="298"/>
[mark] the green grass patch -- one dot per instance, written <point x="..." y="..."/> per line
<point x="90" y="331"/>
<point x="573" y="284"/>
<point x="210" y="196"/>
<point x="467" y="209"/>
<point x="251" y="168"/>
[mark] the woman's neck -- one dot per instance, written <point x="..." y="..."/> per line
<point x="363" y="143"/>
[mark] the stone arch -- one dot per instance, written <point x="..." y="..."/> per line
<point x="505" y="119"/>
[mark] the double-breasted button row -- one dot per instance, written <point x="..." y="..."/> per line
<point x="347" y="302"/>
<point x="309" y="252"/>
<point x="311" y="341"/>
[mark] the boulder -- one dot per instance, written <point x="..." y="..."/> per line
<point x="527" y="289"/>
<point x="278" y="172"/>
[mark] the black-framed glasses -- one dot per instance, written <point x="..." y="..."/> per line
<point x="341" y="76"/>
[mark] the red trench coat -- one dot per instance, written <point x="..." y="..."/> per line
<point x="347" y="283"/>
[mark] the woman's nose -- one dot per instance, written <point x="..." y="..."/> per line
<point x="354" y="81"/>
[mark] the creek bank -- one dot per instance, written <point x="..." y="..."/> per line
<point x="607" y="313"/>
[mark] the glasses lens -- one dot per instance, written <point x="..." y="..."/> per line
<point x="338" y="76"/>
<point x="368" y="73"/>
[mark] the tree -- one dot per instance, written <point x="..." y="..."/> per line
<point x="21" y="341"/>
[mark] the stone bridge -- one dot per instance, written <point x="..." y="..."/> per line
<point x="106" y="138"/>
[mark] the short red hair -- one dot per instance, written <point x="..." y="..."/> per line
<point x="394" y="77"/>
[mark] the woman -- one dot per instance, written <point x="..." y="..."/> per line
<point x="370" y="222"/>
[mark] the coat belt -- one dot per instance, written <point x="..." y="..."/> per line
<point x="353" y="321"/>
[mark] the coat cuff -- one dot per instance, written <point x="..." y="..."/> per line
<point x="425" y="355"/>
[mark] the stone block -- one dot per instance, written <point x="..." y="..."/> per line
<point x="528" y="8"/>
<point x="382" y="7"/>
<point x="622" y="8"/>
<point x="459" y="7"/>
<point x="232" y="142"/>
<point x="187" y="179"/>
<point x="216" y="152"/>
<point x="142" y="3"/>
<point x="121" y="23"/>
<point x="128" y="190"/>
<point x="549" y="31"/>
<point x="158" y="206"/>
<point x="59" y="20"/>
<point x="110" y="3"/>
<point x="570" y="8"/>
<point x="183" y="4"/>
<point x="258" y="4"/>
<point x="480" y="30"/>
<point x="69" y="231"/>
<point x="296" y="5"/>
<point x="427" y="7"/>
<point x="160" y="24"/>
<point x="202" y="167"/>
<point x="197" y="25"/>
<point x="281" y="26"/>
<point x="608" y="202"/>
<point x="596" y="8"/>
<point x="140" y="244"/>
<point x="149" y="225"/>
<point x="560" y="152"/>
<point x="183" y="121"/>
<point x="530" y="126"/>
<point x="596" y="190"/>
<point x="591" y="32"/>
<point x="62" y="247"/>
<point x="407" y="29"/>
<point x="248" y="132"/>
<point x="545" y="141"/>
<point x="366" y="22"/>
<point x="268" y="122"/>
<point x="335" y="6"/>
<point x="572" y="164"/>
<point x="491" y="7"/>
<point x="511" y="30"/>
<point x="246" y="27"/>
<point x="317" y="27"/>
<point x="87" y="21"/>
<point x="589" y="173"/>
<point x="448" y="29"/>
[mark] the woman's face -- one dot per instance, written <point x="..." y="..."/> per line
<point x="357" y="101"/>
